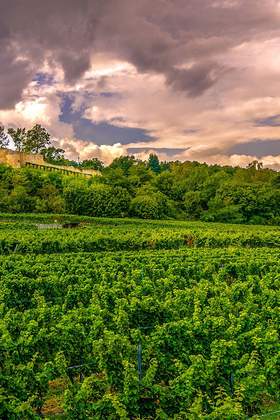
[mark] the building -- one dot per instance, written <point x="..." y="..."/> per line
<point x="21" y="159"/>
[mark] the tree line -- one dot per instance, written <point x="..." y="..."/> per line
<point x="147" y="189"/>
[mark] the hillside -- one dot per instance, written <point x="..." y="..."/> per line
<point x="147" y="189"/>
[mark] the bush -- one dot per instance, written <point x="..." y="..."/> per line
<point x="194" y="204"/>
<point x="230" y="214"/>
<point x="108" y="202"/>
<point x="151" y="206"/>
<point x="97" y="200"/>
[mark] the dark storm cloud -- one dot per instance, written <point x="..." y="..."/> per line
<point x="15" y="73"/>
<point x="257" y="147"/>
<point x="74" y="65"/>
<point x="158" y="36"/>
<point x="195" y="80"/>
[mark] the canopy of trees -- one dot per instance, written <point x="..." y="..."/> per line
<point x="146" y="189"/>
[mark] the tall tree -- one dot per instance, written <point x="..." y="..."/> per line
<point x="54" y="155"/>
<point x="34" y="140"/>
<point x="93" y="163"/>
<point x="37" y="139"/>
<point x="153" y="163"/>
<point x="123" y="162"/>
<point x="19" y="137"/>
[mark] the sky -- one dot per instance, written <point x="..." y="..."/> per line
<point x="186" y="79"/>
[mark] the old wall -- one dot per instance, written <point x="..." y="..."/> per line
<point x="10" y="158"/>
<point x="20" y="159"/>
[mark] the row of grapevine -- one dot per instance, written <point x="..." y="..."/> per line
<point x="154" y="335"/>
<point x="26" y="238"/>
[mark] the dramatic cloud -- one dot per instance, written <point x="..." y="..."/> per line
<point x="199" y="77"/>
<point x="16" y="73"/>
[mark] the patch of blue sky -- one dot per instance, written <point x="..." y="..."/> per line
<point x="43" y="79"/>
<point x="100" y="133"/>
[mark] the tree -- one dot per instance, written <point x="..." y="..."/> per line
<point x="97" y="200"/>
<point x="194" y="204"/>
<point x="4" y="139"/>
<point x="37" y="139"/>
<point x="34" y="140"/>
<point x="153" y="163"/>
<point x="20" y="201"/>
<point x="164" y="182"/>
<point x="150" y="204"/>
<point x="53" y="155"/>
<point x="115" y="177"/>
<point x="109" y="202"/>
<point x="93" y="163"/>
<point x="123" y="162"/>
<point x="19" y="137"/>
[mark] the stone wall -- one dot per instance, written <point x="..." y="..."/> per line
<point x="20" y="159"/>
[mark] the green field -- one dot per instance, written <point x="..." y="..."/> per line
<point x="129" y="319"/>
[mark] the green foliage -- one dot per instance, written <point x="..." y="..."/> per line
<point x="207" y="320"/>
<point x="148" y="190"/>
<point x="97" y="200"/>
<point x="29" y="190"/>
<point x="230" y="213"/>
<point x="194" y="204"/>
<point x="37" y="139"/>
<point x="100" y="234"/>
<point x="124" y="163"/>
<point x="153" y="163"/>
<point x="54" y="155"/>
<point x="93" y="163"/>
<point x="19" y="137"/>
<point x="149" y="206"/>
<point x="34" y="140"/>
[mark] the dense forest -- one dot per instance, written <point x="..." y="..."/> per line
<point x="130" y="187"/>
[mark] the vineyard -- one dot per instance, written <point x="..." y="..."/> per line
<point x="132" y="319"/>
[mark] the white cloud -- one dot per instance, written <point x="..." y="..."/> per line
<point x="40" y="104"/>
<point x="225" y="115"/>
<point x="82" y="150"/>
